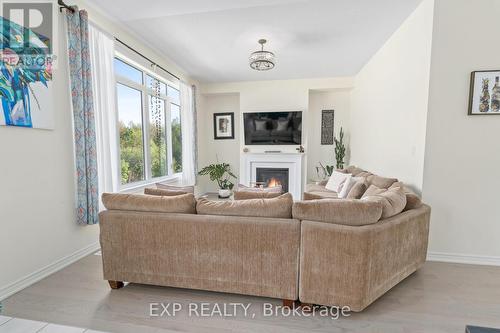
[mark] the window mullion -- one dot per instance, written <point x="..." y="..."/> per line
<point x="169" y="137"/>
<point x="146" y="134"/>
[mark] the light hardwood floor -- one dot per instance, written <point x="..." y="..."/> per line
<point x="439" y="298"/>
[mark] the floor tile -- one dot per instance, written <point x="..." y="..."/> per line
<point x="17" y="325"/>
<point x="4" y="319"/>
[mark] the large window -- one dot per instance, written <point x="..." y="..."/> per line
<point x="149" y="125"/>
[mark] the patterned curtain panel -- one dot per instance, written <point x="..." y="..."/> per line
<point x="83" y="117"/>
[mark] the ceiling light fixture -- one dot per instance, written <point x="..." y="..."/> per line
<point x="262" y="60"/>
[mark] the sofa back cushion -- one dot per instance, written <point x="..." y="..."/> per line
<point x="381" y="182"/>
<point x="413" y="201"/>
<point x="185" y="189"/>
<point x="354" y="170"/>
<point x="279" y="207"/>
<point x="245" y="195"/>
<point x="393" y="200"/>
<point x="161" y="192"/>
<point x="184" y="203"/>
<point x="338" y="211"/>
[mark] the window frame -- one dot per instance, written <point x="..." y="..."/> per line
<point x="146" y="92"/>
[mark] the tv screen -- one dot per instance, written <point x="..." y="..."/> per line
<point x="273" y="128"/>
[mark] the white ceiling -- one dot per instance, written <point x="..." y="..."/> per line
<point x="212" y="39"/>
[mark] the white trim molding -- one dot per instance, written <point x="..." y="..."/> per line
<point x="28" y="280"/>
<point x="463" y="258"/>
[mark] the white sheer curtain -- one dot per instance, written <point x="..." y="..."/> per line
<point x="188" y="127"/>
<point x="102" y="52"/>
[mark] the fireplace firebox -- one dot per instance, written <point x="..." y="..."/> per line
<point x="273" y="177"/>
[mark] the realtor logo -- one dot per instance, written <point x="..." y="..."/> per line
<point x="27" y="33"/>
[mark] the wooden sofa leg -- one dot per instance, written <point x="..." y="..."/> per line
<point x="289" y="303"/>
<point x="115" y="284"/>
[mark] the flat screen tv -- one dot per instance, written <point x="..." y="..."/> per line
<point x="273" y="128"/>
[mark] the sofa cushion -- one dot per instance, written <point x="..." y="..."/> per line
<point x="354" y="170"/>
<point x="381" y="182"/>
<point x="336" y="179"/>
<point x="316" y="195"/>
<point x="184" y="203"/>
<point x="161" y="192"/>
<point x="413" y="201"/>
<point x="186" y="189"/>
<point x="393" y="200"/>
<point x="357" y="190"/>
<point x="364" y="174"/>
<point x="279" y="207"/>
<point x="345" y="211"/>
<point x="244" y="195"/>
<point x="316" y="188"/>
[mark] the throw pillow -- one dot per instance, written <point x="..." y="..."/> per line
<point x="347" y="212"/>
<point x="279" y="207"/>
<point x="282" y="124"/>
<point x="393" y="200"/>
<point x="346" y="187"/>
<point x="357" y="190"/>
<point x="149" y="203"/>
<point x="260" y="125"/>
<point x="336" y="179"/>
<point x="186" y="189"/>
<point x="160" y="192"/>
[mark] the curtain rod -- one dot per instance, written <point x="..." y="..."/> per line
<point x="64" y="5"/>
<point x="142" y="55"/>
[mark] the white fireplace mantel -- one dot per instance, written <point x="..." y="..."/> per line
<point x="292" y="161"/>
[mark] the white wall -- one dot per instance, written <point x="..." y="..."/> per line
<point x="227" y="150"/>
<point x="389" y="102"/>
<point x="37" y="221"/>
<point x="339" y="101"/>
<point x="257" y="96"/>
<point x="462" y="158"/>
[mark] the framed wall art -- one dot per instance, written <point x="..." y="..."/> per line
<point x="224" y="125"/>
<point x="484" y="96"/>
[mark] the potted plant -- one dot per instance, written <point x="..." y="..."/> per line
<point x="325" y="171"/>
<point x="340" y="149"/>
<point x="220" y="173"/>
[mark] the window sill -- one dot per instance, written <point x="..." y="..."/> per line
<point x="138" y="187"/>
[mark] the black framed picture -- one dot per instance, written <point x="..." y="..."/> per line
<point x="484" y="95"/>
<point x="327" y="125"/>
<point x="224" y="125"/>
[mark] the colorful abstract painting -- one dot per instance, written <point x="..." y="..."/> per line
<point x="25" y="77"/>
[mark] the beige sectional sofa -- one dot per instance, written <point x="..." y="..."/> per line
<point x="338" y="252"/>
<point x="236" y="254"/>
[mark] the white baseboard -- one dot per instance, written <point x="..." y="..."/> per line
<point x="463" y="258"/>
<point x="38" y="275"/>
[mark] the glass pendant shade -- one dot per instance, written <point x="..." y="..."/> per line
<point x="262" y="60"/>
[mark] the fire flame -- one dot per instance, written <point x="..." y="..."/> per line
<point x="273" y="182"/>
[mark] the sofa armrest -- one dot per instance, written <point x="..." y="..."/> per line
<point x="354" y="265"/>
